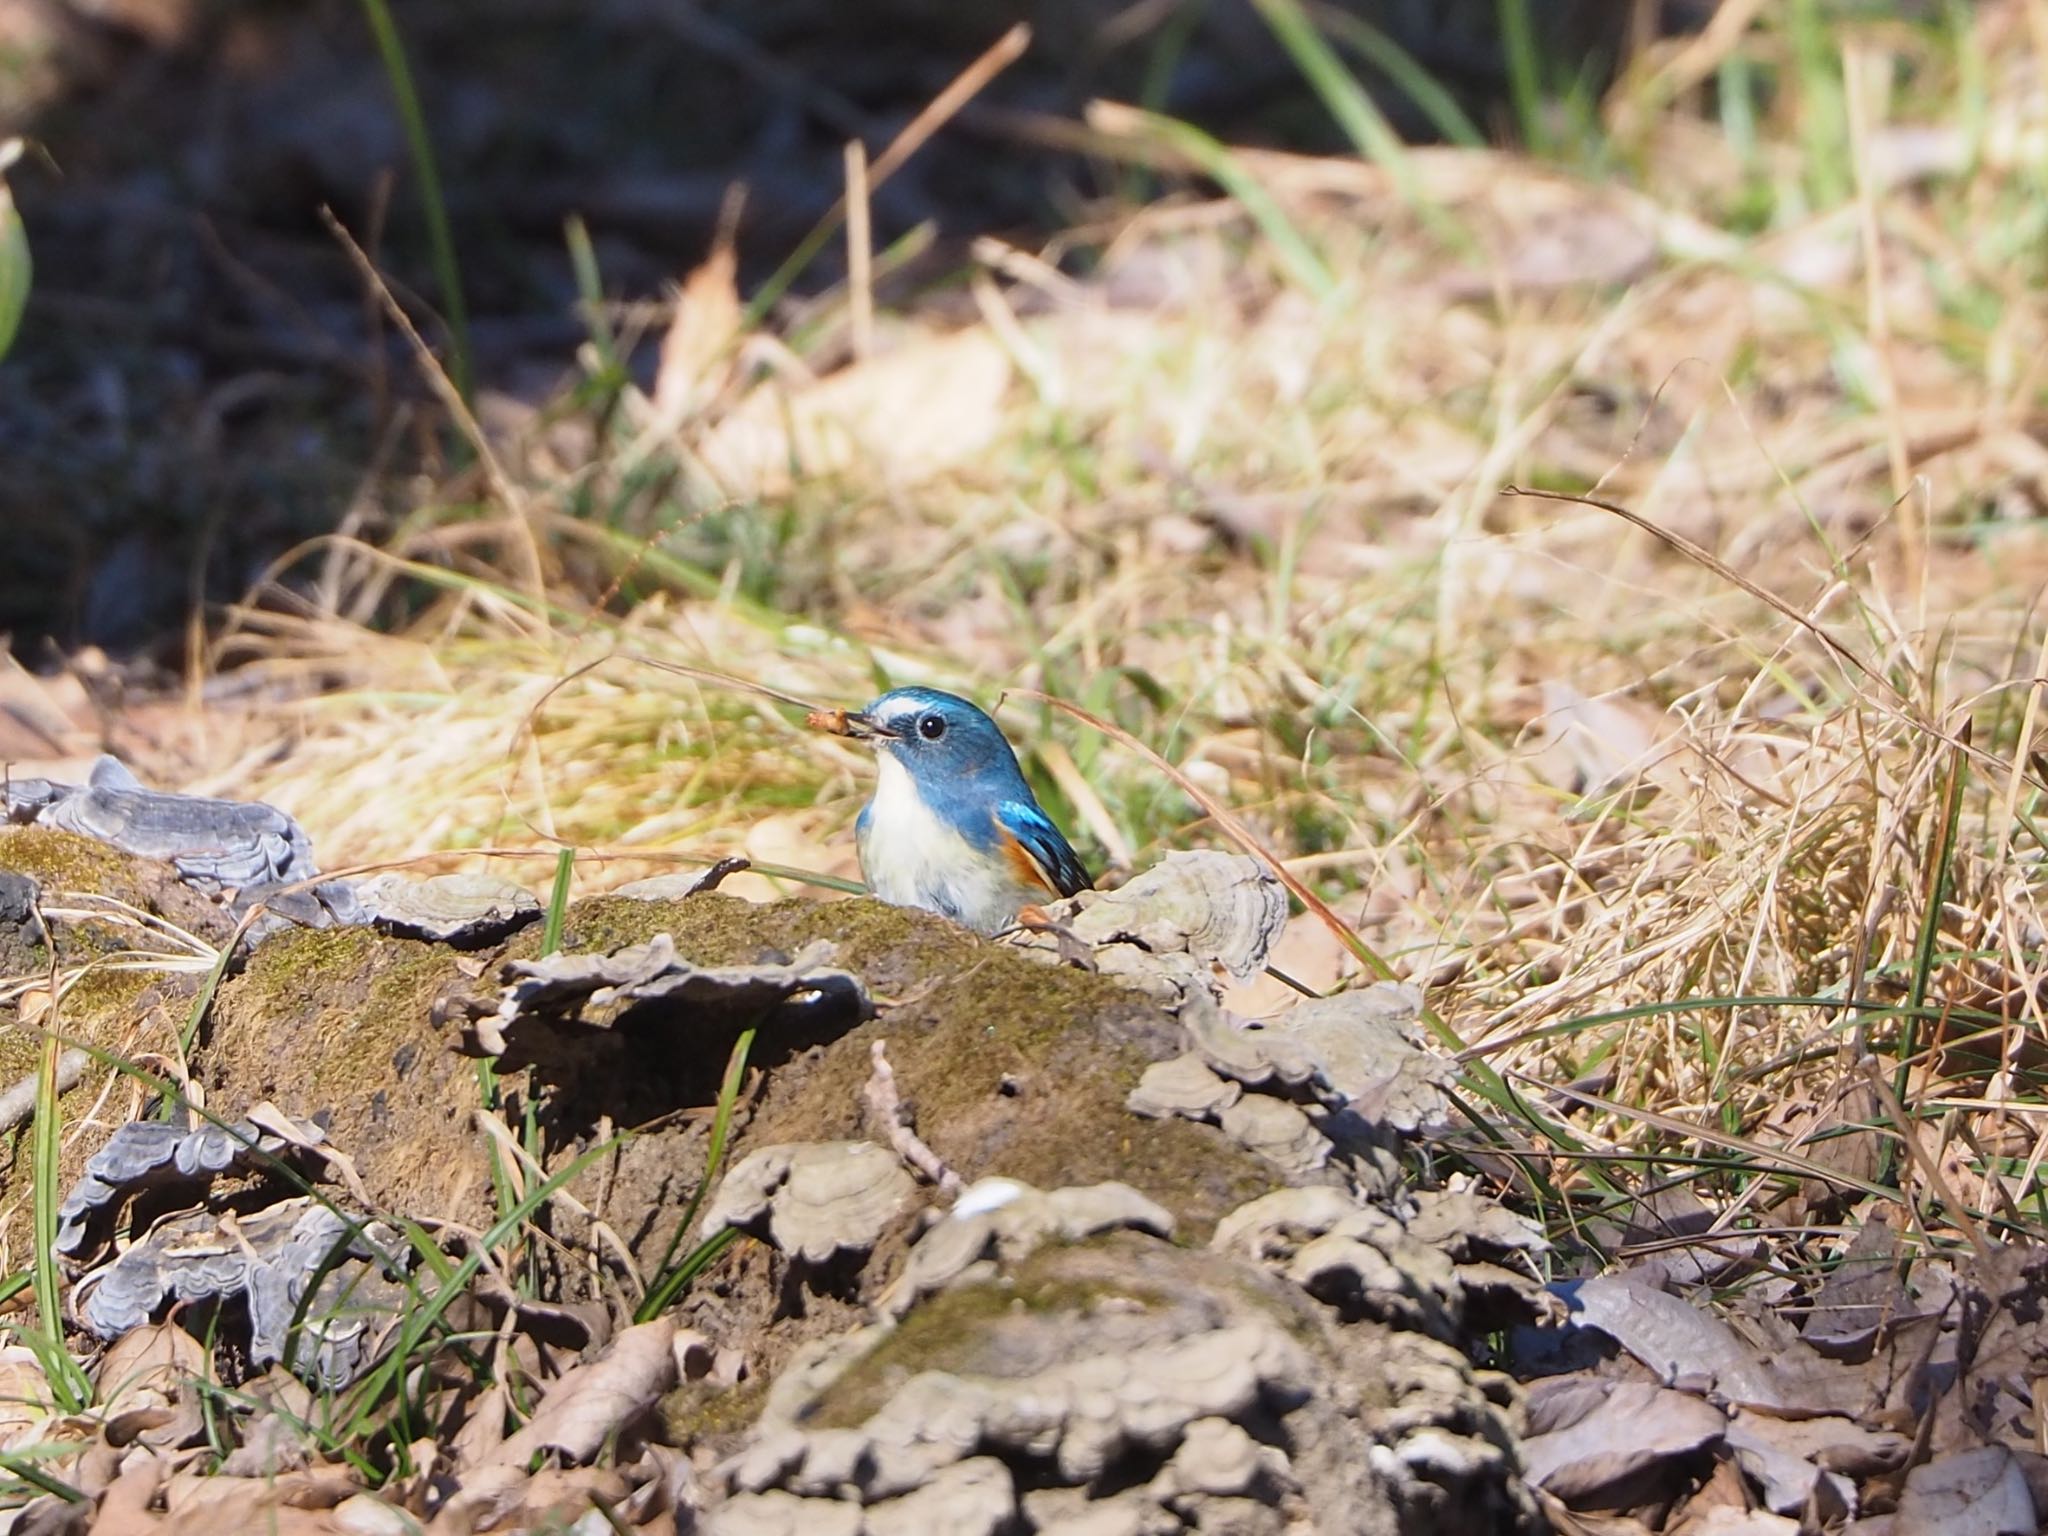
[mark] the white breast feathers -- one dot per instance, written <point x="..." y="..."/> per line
<point x="911" y="858"/>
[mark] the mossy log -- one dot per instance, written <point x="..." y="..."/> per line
<point x="1010" y="1065"/>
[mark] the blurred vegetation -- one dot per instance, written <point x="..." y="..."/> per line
<point x="202" y="383"/>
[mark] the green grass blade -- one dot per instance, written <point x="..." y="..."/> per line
<point x="1940" y="874"/>
<point x="487" y="1069"/>
<point x="202" y="1001"/>
<point x="440" y="234"/>
<point x="558" y="901"/>
<point x="487" y="1095"/>
<point x="67" y="1382"/>
<point x="1822" y="103"/>
<point x="170" y="1104"/>
<point x="1407" y="74"/>
<point x="1297" y="254"/>
<point x="1525" y="73"/>
<point x="390" y="1373"/>
<point x="15" y="264"/>
<point x="669" y="1282"/>
<point x="1363" y="122"/>
<point x="694" y="1263"/>
<point x="590" y="294"/>
<point x="16" y="1465"/>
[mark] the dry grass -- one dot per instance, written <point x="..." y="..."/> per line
<point x="1616" y="810"/>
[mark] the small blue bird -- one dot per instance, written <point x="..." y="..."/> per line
<point x="953" y="827"/>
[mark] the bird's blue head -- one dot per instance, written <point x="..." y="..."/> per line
<point x="943" y="742"/>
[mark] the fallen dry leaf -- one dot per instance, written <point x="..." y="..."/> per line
<point x="1860" y="1295"/>
<point x="147" y="1388"/>
<point x="209" y="1504"/>
<point x="699" y="1358"/>
<point x="25" y="1401"/>
<point x="1723" y="1520"/>
<point x="1829" y="1440"/>
<point x="1592" y="744"/>
<point x="46" y="723"/>
<point x="1674" y="1231"/>
<point x="124" y="1508"/>
<point x="1608" y="1444"/>
<point x="476" y="1443"/>
<point x="595" y="1399"/>
<point x="506" y="1498"/>
<point x="1777" y="1465"/>
<point x="1677" y="1341"/>
<point x="697" y="348"/>
<point x="1723" y="1504"/>
<point x="932" y="404"/>
<point x="1972" y="1493"/>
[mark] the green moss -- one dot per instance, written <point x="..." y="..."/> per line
<point x="335" y="1024"/>
<point x="100" y="1010"/>
<point x="19" y="1050"/>
<point x="321" y="972"/>
<point x="61" y="864"/>
<point x="699" y="1411"/>
<point x="291" y="966"/>
<point x="1014" y="1066"/>
<point x="401" y="996"/>
<point x="63" y="860"/>
<point x="104" y="998"/>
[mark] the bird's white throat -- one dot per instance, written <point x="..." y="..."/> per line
<point x="912" y="858"/>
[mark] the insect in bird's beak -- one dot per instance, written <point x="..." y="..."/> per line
<point x="849" y="722"/>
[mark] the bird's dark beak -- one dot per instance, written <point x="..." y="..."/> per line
<point x="866" y="727"/>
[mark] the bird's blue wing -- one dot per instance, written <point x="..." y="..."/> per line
<point x="1033" y="836"/>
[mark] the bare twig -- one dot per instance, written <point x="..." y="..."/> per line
<point x="860" y="252"/>
<point x="451" y="398"/>
<point x="19" y="1102"/>
<point x="885" y="1108"/>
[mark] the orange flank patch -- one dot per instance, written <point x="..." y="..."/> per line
<point x="1029" y="871"/>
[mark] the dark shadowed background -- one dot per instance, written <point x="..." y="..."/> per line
<point x="200" y="382"/>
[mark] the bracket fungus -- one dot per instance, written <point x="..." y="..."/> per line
<point x="250" y="851"/>
<point x="1426" y="1268"/>
<point x="597" y="991"/>
<point x="151" y="1154"/>
<point x="1279" y="1132"/>
<point x="1183" y="1087"/>
<point x="271" y="1259"/>
<point x="1004" y="1220"/>
<point x="813" y="1199"/>
<point x="1119" y="1384"/>
<point x="1361" y="1050"/>
<point x="1220" y="908"/>
<point x="467" y="910"/>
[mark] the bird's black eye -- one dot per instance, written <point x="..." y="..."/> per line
<point x="932" y="727"/>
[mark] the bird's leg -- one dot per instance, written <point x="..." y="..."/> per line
<point x="1073" y="949"/>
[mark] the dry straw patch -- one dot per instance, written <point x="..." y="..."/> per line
<point x="1542" y="760"/>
